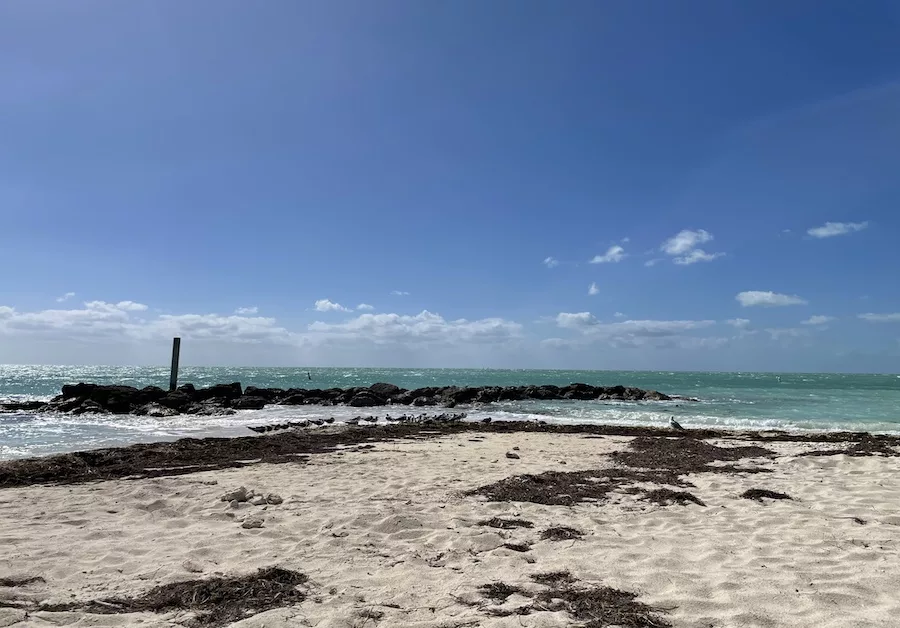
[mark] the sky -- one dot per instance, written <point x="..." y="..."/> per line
<point x="629" y="184"/>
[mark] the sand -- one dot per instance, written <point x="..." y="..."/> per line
<point x="387" y="538"/>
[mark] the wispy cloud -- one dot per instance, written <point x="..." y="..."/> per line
<point x="881" y="318"/>
<point x="593" y="289"/>
<point x="697" y="255"/>
<point x="767" y="299"/>
<point x="613" y="255"/>
<point x="778" y="333"/>
<point x="424" y="328"/>
<point x="550" y="262"/>
<point x="247" y="311"/>
<point x="65" y="297"/>
<point x="739" y="323"/>
<point x="365" y="307"/>
<point x="324" y="305"/>
<point x="832" y="229"/>
<point x="652" y="262"/>
<point x="818" y="320"/>
<point x="399" y="293"/>
<point x="619" y="315"/>
<point x="684" y="247"/>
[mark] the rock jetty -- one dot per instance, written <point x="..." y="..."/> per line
<point x="228" y="398"/>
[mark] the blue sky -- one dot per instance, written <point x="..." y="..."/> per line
<point x="247" y="174"/>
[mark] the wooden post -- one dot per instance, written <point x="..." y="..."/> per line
<point x="176" y="350"/>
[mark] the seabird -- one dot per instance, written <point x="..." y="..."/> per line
<point x="675" y="425"/>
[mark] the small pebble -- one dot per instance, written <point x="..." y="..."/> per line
<point x="274" y="499"/>
<point x="253" y="522"/>
<point x="512" y="454"/>
<point x="259" y="500"/>
<point x="240" y="495"/>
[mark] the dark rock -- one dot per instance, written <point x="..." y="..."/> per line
<point x="249" y="403"/>
<point x="70" y="391"/>
<point x="269" y="394"/>
<point x="22" y="406"/>
<point x="176" y="400"/>
<point x="464" y="395"/>
<point x="293" y="399"/>
<point x="149" y="394"/>
<point x="385" y="391"/>
<point x="424" y="401"/>
<point x="366" y="399"/>
<point x="223" y="391"/>
<point x="488" y="394"/>
<point x="156" y="410"/>
<point x="89" y="407"/>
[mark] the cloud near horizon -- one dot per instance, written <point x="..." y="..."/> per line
<point x="126" y="332"/>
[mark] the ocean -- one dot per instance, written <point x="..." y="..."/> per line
<point x="794" y="401"/>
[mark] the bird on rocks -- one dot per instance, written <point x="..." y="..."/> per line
<point x="675" y="425"/>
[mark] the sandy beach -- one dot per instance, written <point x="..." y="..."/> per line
<point x="388" y="534"/>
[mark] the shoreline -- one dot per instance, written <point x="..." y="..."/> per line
<point x="193" y="455"/>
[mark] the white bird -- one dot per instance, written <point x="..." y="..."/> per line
<point x="675" y="425"/>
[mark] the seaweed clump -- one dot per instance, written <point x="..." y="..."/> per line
<point x="561" y="533"/>
<point x="506" y="524"/>
<point x="216" y="602"/>
<point x="759" y="494"/>
<point x="590" y="606"/>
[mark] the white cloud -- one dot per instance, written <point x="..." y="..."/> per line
<point x="786" y="332"/>
<point x="767" y="299"/>
<point x="697" y="255"/>
<point x="881" y="318"/>
<point x="593" y="289"/>
<point x="817" y="320"/>
<point x="652" y="262"/>
<point x="632" y="333"/>
<point x="425" y="327"/>
<point x="65" y="297"/>
<point x="231" y="329"/>
<point x="684" y="241"/>
<point x="588" y="323"/>
<point x="613" y="255"/>
<point x="324" y="305"/>
<point x="365" y="306"/>
<point x="683" y="247"/>
<point x="739" y="323"/>
<point x="577" y="320"/>
<point x="399" y="293"/>
<point x="619" y="315"/>
<point x="244" y="311"/>
<point x="124" y="306"/>
<point x="831" y="229"/>
<point x="550" y="262"/>
<point x="625" y="240"/>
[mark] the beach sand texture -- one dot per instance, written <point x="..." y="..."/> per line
<point x="387" y="538"/>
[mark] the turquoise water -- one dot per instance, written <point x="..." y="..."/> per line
<point x="727" y="400"/>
